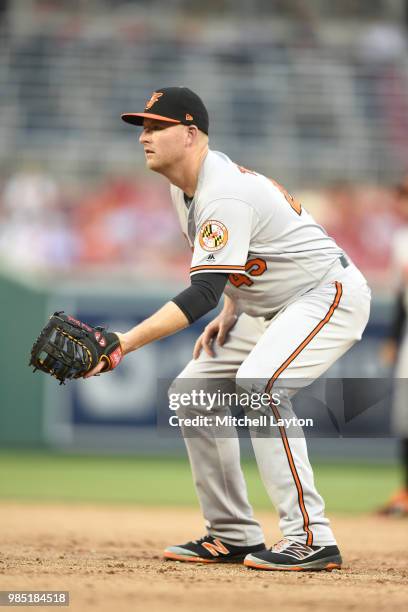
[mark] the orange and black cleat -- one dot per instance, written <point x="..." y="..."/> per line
<point x="210" y="550"/>
<point x="288" y="555"/>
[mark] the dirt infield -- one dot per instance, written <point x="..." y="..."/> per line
<point x="109" y="558"/>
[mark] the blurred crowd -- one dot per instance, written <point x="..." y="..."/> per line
<point x="363" y="219"/>
<point x="113" y="225"/>
<point x="127" y="225"/>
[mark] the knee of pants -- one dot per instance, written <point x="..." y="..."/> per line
<point x="256" y="387"/>
<point x="247" y="381"/>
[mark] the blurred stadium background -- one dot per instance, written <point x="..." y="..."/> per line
<point x="314" y="94"/>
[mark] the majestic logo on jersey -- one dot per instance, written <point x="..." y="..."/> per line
<point x="213" y="235"/>
<point x="155" y="96"/>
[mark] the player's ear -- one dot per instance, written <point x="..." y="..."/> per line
<point x="192" y="135"/>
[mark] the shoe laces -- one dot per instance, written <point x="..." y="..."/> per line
<point x="292" y="547"/>
<point x="281" y="545"/>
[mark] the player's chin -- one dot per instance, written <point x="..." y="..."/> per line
<point x="152" y="162"/>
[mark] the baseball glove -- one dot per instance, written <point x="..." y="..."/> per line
<point x="67" y="348"/>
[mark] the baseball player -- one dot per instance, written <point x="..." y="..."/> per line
<point x="293" y="304"/>
<point x="395" y="351"/>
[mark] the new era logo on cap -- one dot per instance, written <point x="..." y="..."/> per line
<point x="175" y="105"/>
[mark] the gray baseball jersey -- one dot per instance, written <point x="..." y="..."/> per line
<point x="245" y="224"/>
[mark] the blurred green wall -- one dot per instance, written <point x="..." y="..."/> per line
<point x="22" y="314"/>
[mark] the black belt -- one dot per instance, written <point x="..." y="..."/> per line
<point x="344" y="262"/>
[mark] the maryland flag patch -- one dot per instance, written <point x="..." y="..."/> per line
<point x="213" y="235"/>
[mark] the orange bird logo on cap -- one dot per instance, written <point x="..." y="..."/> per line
<point x="155" y="96"/>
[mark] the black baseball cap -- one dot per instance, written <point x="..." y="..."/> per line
<point x="173" y="104"/>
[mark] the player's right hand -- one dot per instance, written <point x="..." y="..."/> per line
<point x="216" y="331"/>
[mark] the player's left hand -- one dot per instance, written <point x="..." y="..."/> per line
<point x="102" y="364"/>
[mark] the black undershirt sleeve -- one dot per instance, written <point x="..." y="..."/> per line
<point x="202" y="296"/>
<point x="399" y="318"/>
